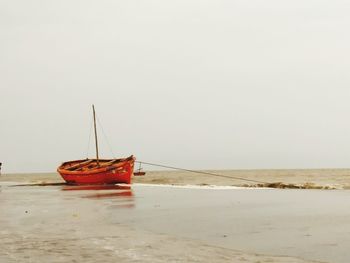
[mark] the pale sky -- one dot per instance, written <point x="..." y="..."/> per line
<point x="221" y="84"/>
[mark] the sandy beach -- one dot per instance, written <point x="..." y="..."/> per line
<point x="194" y="221"/>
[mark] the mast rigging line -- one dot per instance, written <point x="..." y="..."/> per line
<point x="105" y="137"/>
<point x="200" y="172"/>
<point x="96" y="142"/>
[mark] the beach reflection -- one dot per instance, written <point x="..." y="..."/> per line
<point x="122" y="193"/>
<point x="95" y="187"/>
<point x="118" y="195"/>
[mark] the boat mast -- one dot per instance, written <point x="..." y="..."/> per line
<point x="96" y="143"/>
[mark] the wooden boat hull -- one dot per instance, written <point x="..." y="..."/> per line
<point x="88" y="171"/>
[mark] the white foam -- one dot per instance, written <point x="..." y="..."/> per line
<point x="189" y="186"/>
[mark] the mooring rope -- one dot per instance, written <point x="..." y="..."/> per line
<point x="201" y="172"/>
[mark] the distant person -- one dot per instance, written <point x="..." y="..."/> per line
<point x="0" y="168"/>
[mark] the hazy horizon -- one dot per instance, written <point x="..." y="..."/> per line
<point x="194" y="84"/>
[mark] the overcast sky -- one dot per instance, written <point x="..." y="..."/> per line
<point x="221" y="84"/>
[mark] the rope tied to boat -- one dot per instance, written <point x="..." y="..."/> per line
<point x="201" y="172"/>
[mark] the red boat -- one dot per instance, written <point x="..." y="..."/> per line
<point x="93" y="171"/>
<point x="97" y="171"/>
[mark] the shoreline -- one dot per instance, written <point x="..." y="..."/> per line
<point x="276" y="178"/>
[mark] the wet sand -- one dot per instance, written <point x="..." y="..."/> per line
<point x="145" y="223"/>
